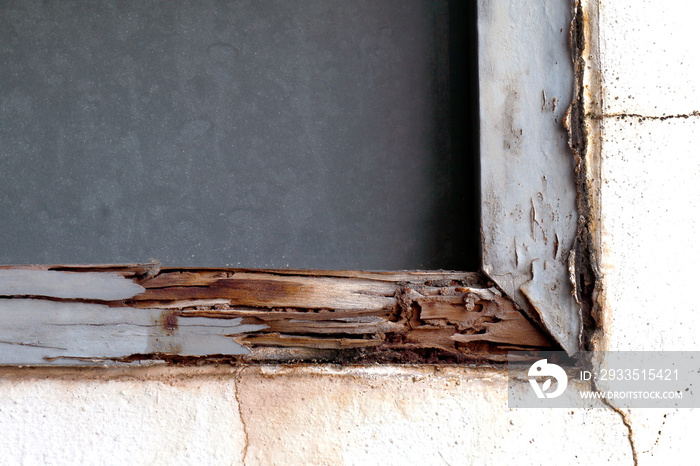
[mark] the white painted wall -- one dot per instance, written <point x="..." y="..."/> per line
<point x="650" y="198"/>
<point x="650" y="195"/>
<point x="303" y="415"/>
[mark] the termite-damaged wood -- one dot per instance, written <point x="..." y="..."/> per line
<point x="243" y="316"/>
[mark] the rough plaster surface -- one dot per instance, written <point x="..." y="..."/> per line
<point x="650" y="197"/>
<point x="155" y="420"/>
<point x="299" y="415"/>
<point x="649" y="56"/>
<point x="651" y="216"/>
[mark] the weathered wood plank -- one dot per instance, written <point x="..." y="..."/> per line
<point x="419" y="276"/>
<point x="294" y="341"/>
<point x="37" y="331"/>
<point x="104" y="286"/>
<point x="77" y="315"/>
<point x="268" y="290"/>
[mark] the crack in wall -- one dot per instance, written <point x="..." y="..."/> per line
<point x="630" y="432"/>
<point x="585" y="272"/>
<point x="239" y="402"/>
<point x="625" y="420"/>
<point x="622" y="115"/>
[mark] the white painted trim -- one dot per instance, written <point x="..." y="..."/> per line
<point x="529" y="219"/>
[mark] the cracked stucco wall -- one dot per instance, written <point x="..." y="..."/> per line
<point x="647" y="130"/>
<point x="644" y="114"/>
<point x="301" y="415"/>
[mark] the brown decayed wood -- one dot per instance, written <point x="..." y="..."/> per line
<point x="347" y="316"/>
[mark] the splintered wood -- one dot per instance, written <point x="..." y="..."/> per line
<point x="124" y="314"/>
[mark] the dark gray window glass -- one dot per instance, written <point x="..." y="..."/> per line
<point x="334" y="134"/>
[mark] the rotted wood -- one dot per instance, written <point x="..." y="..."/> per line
<point x="119" y="314"/>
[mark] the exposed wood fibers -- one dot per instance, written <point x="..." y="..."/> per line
<point x="349" y="316"/>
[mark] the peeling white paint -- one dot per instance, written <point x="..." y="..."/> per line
<point x="544" y="295"/>
<point x="57" y="284"/>
<point x="527" y="175"/>
<point x="46" y="332"/>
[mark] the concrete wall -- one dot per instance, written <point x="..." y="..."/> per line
<point x="299" y="415"/>
<point x="650" y="198"/>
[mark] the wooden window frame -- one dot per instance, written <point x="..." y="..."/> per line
<point x="126" y="314"/>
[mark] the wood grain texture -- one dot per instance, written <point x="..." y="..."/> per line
<point x="245" y="316"/>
